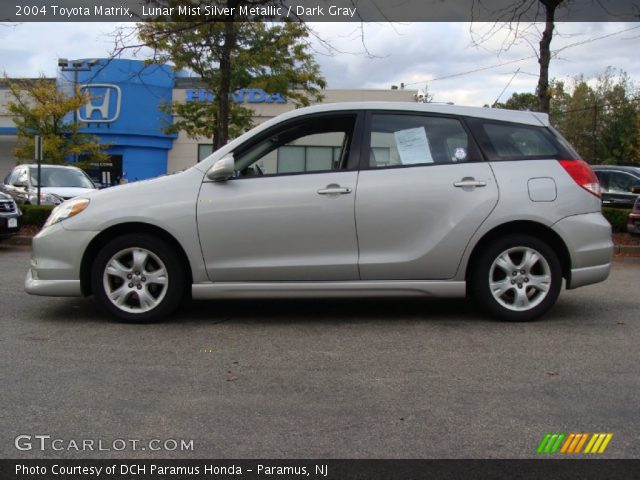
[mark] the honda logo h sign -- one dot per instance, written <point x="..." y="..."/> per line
<point x="103" y="105"/>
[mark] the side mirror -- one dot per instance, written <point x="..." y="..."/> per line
<point x="635" y="188"/>
<point x="222" y="170"/>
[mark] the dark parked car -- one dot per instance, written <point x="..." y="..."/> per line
<point x="9" y="213"/>
<point x="633" y="224"/>
<point x="620" y="185"/>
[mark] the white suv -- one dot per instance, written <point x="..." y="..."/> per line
<point x="57" y="183"/>
<point x="353" y="199"/>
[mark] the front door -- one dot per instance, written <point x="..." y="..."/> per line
<point x="288" y="215"/>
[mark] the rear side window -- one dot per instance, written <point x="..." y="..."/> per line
<point x="509" y="141"/>
<point x="407" y="140"/>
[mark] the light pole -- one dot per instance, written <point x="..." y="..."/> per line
<point x="75" y="66"/>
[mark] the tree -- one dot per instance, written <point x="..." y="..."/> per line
<point x="520" y="101"/>
<point x="229" y="56"/>
<point x="600" y="117"/>
<point x="517" y="12"/>
<point x="40" y="108"/>
<point x="619" y="115"/>
<point x="544" y="57"/>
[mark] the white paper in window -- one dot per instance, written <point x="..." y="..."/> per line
<point x="413" y="146"/>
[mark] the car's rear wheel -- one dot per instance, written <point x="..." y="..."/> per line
<point x="517" y="278"/>
<point x="137" y="278"/>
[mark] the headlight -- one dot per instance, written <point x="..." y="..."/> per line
<point x="66" y="210"/>
<point x="46" y="199"/>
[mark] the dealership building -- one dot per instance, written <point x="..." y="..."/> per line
<point x="125" y="112"/>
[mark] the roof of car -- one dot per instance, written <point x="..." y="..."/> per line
<point x="526" y="117"/>
<point x="47" y="165"/>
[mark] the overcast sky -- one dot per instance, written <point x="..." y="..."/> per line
<point x="438" y="56"/>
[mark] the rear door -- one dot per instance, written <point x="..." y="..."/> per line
<point x="423" y="191"/>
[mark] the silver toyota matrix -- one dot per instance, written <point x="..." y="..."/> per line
<point x="343" y="200"/>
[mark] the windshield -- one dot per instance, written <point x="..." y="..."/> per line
<point x="60" y="177"/>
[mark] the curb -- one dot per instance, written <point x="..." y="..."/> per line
<point x="617" y="249"/>
<point x="626" y="249"/>
<point x="18" y="240"/>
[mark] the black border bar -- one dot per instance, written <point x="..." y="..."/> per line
<point x="143" y="469"/>
<point x="315" y="10"/>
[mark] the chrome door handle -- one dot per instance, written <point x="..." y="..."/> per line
<point x="334" y="189"/>
<point x="469" y="183"/>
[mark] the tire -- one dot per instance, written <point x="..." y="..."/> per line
<point x="517" y="278"/>
<point x="138" y="278"/>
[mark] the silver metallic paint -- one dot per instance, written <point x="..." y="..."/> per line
<point x="282" y="230"/>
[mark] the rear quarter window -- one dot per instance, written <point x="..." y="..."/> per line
<point x="511" y="141"/>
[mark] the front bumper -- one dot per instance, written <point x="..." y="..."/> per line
<point x="51" y="288"/>
<point x="5" y="229"/>
<point x="55" y="261"/>
<point x="588" y="239"/>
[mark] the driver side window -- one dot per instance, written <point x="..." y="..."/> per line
<point x="319" y="144"/>
<point x="621" y="182"/>
<point x="19" y="177"/>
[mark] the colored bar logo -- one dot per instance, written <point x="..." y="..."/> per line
<point x="574" y="442"/>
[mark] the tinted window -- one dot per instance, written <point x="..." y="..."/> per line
<point x="398" y="140"/>
<point x="511" y="141"/>
<point x="619" y="182"/>
<point x="312" y="145"/>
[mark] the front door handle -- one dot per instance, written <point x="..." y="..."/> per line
<point x="334" y="189"/>
<point x="469" y="182"/>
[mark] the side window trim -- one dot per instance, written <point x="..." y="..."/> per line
<point x="352" y="142"/>
<point x="475" y="151"/>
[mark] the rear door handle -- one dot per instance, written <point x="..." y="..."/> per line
<point x="334" y="189"/>
<point x="469" y="182"/>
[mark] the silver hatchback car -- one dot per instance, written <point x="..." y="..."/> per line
<point x="343" y="200"/>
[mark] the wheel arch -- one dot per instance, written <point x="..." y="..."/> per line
<point x="100" y="240"/>
<point x="522" y="227"/>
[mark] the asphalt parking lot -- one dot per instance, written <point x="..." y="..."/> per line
<point x="320" y="379"/>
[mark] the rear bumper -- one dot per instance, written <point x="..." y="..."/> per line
<point x="588" y="275"/>
<point x="588" y="239"/>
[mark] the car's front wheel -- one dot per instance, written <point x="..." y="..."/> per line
<point x="517" y="278"/>
<point x="137" y="278"/>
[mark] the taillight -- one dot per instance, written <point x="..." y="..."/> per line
<point x="582" y="174"/>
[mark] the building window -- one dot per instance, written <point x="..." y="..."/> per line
<point x="306" y="158"/>
<point x="204" y="150"/>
